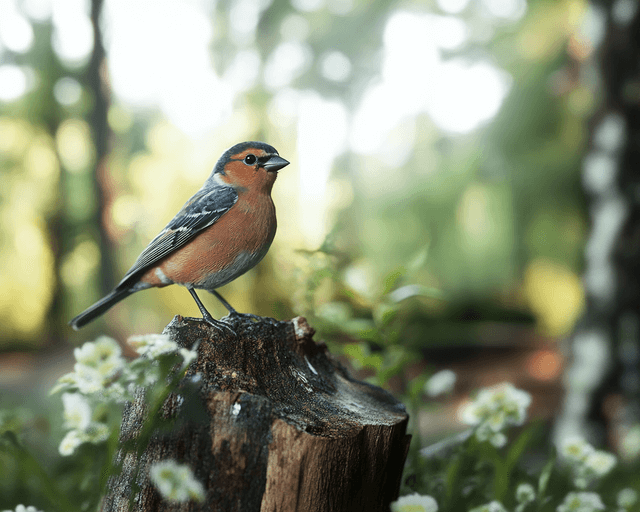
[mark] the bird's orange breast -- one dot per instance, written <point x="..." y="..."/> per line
<point x="223" y="251"/>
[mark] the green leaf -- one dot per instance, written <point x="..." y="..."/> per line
<point x="520" y="445"/>
<point x="384" y="314"/>
<point x="416" y="386"/>
<point x="37" y="476"/>
<point x="451" y="480"/>
<point x="392" y="279"/>
<point x="415" y="290"/>
<point x="545" y="475"/>
<point x="356" y="352"/>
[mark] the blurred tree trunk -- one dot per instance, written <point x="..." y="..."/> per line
<point x="603" y="384"/>
<point x="96" y="79"/>
<point x="65" y="226"/>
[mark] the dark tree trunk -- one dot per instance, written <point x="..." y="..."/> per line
<point x="96" y="78"/>
<point x="603" y="383"/>
<point x="286" y="428"/>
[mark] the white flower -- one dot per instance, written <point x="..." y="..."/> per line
<point x="115" y="392"/>
<point x="176" y="482"/>
<point x="97" y="362"/>
<point x="498" y="440"/>
<point x="587" y="463"/>
<point x="599" y="463"/>
<point x="495" y="409"/>
<point x="484" y="432"/>
<point x="575" y="450"/>
<point x="502" y="403"/>
<point x="96" y="433"/>
<point x="89" y="380"/>
<point x="104" y="353"/>
<point x="440" y="383"/>
<point x="581" y="502"/>
<point x="153" y="345"/>
<point x="414" y="503"/>
<point x="627" y="498"/>
<point x="93" y="432"/>
<point x="71" y="441"/>
<point x="67" y="381"/>
<point x="525" y="493"/>
<point x="630" y="445"/>
<point x="77" y="411"/>
<point x="22" y="508"/>
<point x="494" y="506"/>
<point x="188" y="356"/>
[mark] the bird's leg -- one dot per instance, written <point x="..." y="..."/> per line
<point x="232" y="311"/>
<point x="206" y="316"/>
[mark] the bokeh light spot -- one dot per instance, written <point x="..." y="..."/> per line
<point x="544" y="365"/>
<point x="73" y="140"/>
<point x="16" y="32"/>
<point x="13" y="82"/>
<point x="80" y="263"/>
<point x="14" y="136"/>
<point x="307" y="5"/>
<point x="67" y="91"/>
<point x="555" y="295"/>
<point x="335" y="66"/>
<point x="72" y="37"/>
<point x="26" y="273"/>
<point x="288" y="61"/>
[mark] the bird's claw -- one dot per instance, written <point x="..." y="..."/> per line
<point x="218" y="325"/>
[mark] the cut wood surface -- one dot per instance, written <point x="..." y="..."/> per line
<point x="284" y="427"/>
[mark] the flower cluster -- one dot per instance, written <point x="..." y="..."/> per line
<point x="626" y="499"/>
<point x="22" y="508"/>
<point x="494" y="506"/>
<point x="85" y="428"/>
<point x="440" y="383"/>
<point x="176" y="482"/>
<point x="581" y="502"/>
<point x="494" y="409"/>
<point x="587" y="464"/>
<point x="102" y="376"/>
<point x="156" y="345"/>
<point x="630" y="444"/>
<point x="414" y="503"/>
<point x="525" y="494"/>
<point x="98" y="364"/>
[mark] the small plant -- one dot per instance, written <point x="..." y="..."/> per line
<point x="92" y="398"/>
<point x="483" y="467"/>
<point x="503" y="462"/>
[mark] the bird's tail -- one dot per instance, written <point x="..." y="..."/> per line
<point x="100" y="307"/>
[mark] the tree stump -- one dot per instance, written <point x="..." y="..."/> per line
<point x="286" y="428"/>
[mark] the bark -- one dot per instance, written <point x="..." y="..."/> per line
<point x="603" y="381"/>
<point x="284" y="427"/>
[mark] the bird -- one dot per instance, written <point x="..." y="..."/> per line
<point x="220" y="233"/>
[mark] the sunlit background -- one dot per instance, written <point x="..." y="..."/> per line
<point x="435" y="151"/>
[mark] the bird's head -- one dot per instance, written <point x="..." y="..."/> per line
<point x="249" y="165"/>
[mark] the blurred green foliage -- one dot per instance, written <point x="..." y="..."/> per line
<point x="470" y="212"/>
<point x="426" y="235"/>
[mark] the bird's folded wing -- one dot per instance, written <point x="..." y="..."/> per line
<point x="198" y="213"/>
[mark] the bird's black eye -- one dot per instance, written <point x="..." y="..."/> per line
<point x="250" y="159"/>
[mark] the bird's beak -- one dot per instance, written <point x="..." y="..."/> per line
<point x="275" y="163"/>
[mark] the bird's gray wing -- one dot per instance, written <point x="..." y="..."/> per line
<point x="201" y="211"/>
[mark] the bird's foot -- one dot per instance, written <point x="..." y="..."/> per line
<point x="219" y="325"/>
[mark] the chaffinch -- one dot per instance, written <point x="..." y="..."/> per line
<point x="224" y="230"/>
